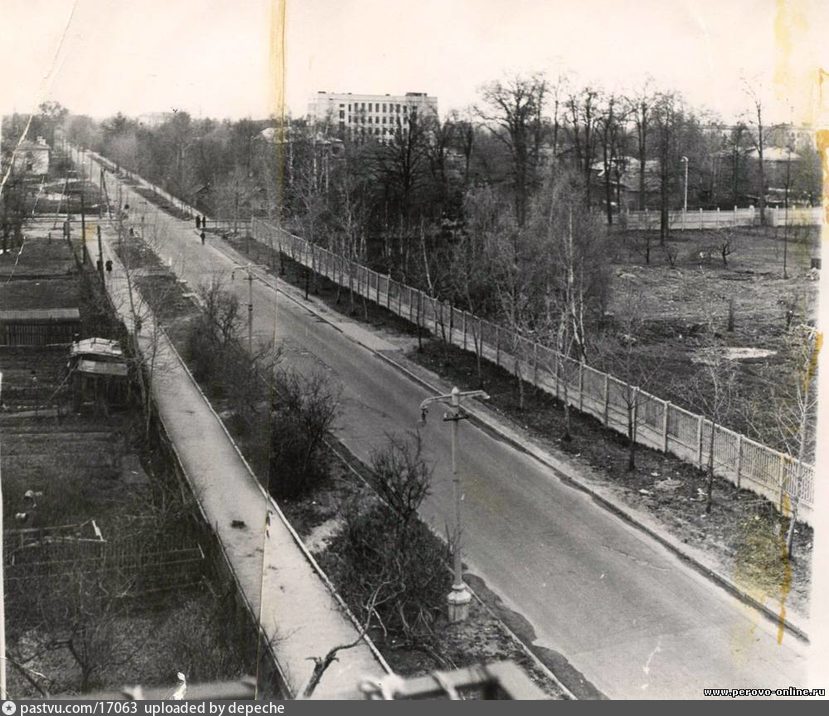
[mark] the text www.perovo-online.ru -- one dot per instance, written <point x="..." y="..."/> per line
<point x="788" y="691"/>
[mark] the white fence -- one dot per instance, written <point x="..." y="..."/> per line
<point x="659" y="424"/>
<point x="716" y="219"/>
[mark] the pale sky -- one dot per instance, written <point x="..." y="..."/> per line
<point x="213" y="57"/>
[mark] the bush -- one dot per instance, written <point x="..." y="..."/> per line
<point x="390" y="567"/>
<point x="302" y="412"/>
<point x="400" y="575"/>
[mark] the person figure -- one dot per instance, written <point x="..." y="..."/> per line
<point x="202" y="238"/>
<point x="203" y="221"/>
<point x="108" y="266"/>
<point x="198" y="221"/>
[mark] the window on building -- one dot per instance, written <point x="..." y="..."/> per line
<point x="384" y="106"/>
<point x="377" y="107"/>
<point x="342" y="114"/>
<point x="397" y="107"/>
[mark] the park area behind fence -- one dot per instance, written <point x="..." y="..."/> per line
<point x="659" y="424"/>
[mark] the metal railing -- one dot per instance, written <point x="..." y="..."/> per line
<point x="659" y="424"/>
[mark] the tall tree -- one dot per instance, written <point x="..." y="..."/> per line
<point x="758" y="137"/>
<point x="513" y="111"/>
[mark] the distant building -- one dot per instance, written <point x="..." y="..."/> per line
<point x="154" y="119"/>
<point x="32" y="157"/>
<point x="369" y="115"/>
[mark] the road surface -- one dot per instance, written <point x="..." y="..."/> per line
<point x="626" y="613"/>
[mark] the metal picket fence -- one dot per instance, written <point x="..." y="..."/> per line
<point x="659" y="424"/>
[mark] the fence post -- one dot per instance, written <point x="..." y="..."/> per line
<point x="535" y="363"/>
<point x="782" y="478"/>
<point x="606" y="398"/>
<point x="399" y="299"/>
<point x="581" y="385"/>
<point x="558" y="369"/>
<point x="717" y="222"/>
<point x="411" y="305"/>
<point x="377" y="288"/>
<point x="388" y="292"/>
<point x="699" y="442"/>
<point x="497" y="345"/>
<point x="464" y="330"/>
<point x="667" y="407"/>
<point x="451" y="322"/>
<point x="739" y="458"/>
<point x="700" y="219"/>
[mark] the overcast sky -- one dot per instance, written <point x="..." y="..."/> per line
<point x="214" y="57"/>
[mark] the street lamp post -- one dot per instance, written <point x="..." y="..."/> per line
<point x="459" y="598"/>
<point x="249" y="272"/>
<point x="685" y="199"/>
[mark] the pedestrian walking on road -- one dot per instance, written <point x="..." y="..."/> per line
<point x="202" y="238"/>
<point x="203" y="221"/>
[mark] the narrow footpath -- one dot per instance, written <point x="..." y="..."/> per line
<point x="299" y="615"/>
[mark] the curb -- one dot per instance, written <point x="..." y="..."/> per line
<point x="628" y="516"/>
<point x="625" y="514"/>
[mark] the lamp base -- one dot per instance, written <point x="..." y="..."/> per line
<point x="458" y="603"/>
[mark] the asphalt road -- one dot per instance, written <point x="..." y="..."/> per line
<point x="627" y="614"/>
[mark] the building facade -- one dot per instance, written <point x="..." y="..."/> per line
<point x="369" y="115"/>
<point x="32" y="157"/>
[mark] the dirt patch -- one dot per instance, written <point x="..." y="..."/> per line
<point x="680" y="302"/>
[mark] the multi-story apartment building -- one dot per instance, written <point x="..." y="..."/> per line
<point x="370" y="115"/>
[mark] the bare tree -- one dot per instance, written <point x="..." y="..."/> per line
<point x="796" y="417"/>
<point x="584" y="110"/>
<point x="513" y="111"/>
<point x="619" y="354"/>
<point x="758" y="137"/>
<point x="641" y="109"/>
<point x="713" y="392"/>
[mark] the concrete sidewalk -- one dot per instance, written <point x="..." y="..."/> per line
<point x="299" y="612"/>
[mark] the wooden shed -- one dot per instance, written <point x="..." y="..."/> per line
<point x="38" y="326"/>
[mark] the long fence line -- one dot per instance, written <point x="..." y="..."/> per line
<point x="659" y="424"/>
<point x="716" y="219"/>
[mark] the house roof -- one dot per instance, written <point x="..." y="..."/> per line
<point x="102" y="347"/>
<point x="28" y="146"/>
<point x="40" y="314"/>
<point x="94" y="367"/>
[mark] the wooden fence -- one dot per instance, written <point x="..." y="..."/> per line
<point x="716" y="219"/>
<point x="659" y="424"/>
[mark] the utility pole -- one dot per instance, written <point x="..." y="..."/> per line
<point x="685" y="200"/>
<point x="459" y="598"/>
<point x="100" y="254"/>
<point x="247" y="269"/>
<point x="3" y="693"/>
<point x="83" y="226"/>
